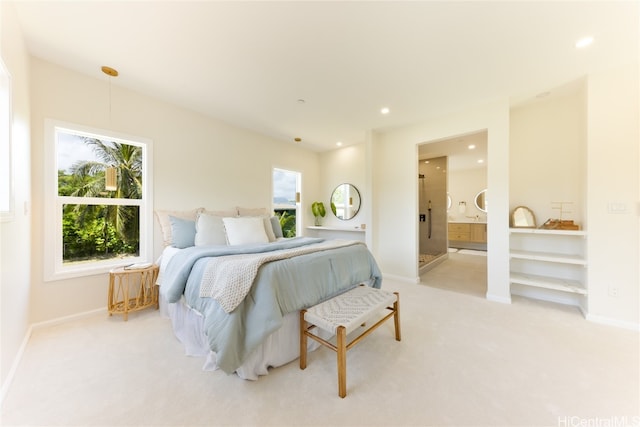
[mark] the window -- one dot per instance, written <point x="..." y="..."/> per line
<point x="98" y="191"/>
<point x="286" y="200"/>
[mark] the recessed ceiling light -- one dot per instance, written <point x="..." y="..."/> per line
<point x="471" y="146"/>
<point x="480" y="161"/>
<point x="426" y="161"/>
<point x="339" y="143"/>
<point x="385" y="110"/>
<point x="584" y="42"/>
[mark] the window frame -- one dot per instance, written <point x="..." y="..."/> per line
<point x="54" y="268"/>
<point x="297" y="205"/>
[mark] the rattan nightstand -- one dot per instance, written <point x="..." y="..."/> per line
<point x="132" y="289"/>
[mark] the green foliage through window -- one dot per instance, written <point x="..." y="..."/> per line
<point x="287" y="221"/>
<point x="99" y="231"/>
<point x="89" y="232"/>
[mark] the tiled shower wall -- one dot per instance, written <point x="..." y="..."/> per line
<point x="432" y="193"/>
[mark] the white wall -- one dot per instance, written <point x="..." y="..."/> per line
<point x="613" y="136"/>
<point x="464" y="186"/>
<point x="343" y="165"/>
<point x="198" y="162"/>
<point x="15" y="246"/>
<point x="548" y="155"/>
<point x="395" y="190"/>
<point x="607" y="134"/>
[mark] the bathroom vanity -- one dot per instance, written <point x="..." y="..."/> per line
<point x="468" y="235"/>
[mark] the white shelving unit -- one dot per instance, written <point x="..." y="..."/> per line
<point x="549" y="265"/>
<point x="329" y="232"/>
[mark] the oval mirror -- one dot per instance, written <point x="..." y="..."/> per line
<point x="481" y="201"/>
<point x="523" y="217"/>
<point x="345" y="201"/>
<point x="448" y="201"/>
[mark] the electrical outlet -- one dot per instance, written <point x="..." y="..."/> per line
<point x="617" y="208"/>
<point x="613" y="291"/>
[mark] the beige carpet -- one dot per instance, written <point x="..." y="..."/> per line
<point x="464" y="273"/>
<point x="462" y="361"/>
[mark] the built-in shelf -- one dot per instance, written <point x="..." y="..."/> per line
<point x="331" y="232"/>
<point x="322" y="227"/>
<point x="581" y="233"/>
<point x="549" y="257"/>
<point x="546" y="282"/>
<point x="549" y="263"/>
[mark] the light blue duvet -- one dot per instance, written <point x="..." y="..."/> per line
<point x="281" y="287"/>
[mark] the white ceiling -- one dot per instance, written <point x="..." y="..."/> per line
<point x="249" y="63"/>
<point x="458" y="152"/>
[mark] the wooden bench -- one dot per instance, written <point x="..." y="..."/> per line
<point x="342" y="315"/>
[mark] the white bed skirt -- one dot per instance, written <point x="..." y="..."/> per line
<point x="280" y="348"/>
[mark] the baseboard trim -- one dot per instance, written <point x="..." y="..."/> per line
<point x="498" y="298"/>
<point x="65" y="319"/>
<point x="58" y="321"/>
<point x="401" y="278"/>
<point x="613" y="322"/>
<point x="14" y="366"/>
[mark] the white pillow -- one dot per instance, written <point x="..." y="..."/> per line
<point x="245" y="230"/>
<point x="268" y="228"/>
<point x="210" y="230"/>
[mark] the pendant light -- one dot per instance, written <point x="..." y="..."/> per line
<point x="110" y="173"/>
<point x="111" y="72"/>
<point x="111" y="179"/>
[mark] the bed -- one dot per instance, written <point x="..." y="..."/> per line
<point x="236" y="302"/>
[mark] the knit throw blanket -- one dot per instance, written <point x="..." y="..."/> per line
<point x="228" y="279"/>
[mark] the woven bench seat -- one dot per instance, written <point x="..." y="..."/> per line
<point x="344" y="314"/>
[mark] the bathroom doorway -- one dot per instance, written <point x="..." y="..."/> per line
<point x="452" y="175"/>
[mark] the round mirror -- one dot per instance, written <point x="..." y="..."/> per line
<point x="481" y="201"/>
<point x="345" y="201"/>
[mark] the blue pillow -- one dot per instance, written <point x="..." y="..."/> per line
<point x="277" y="228"/>
<point x="183" y="232"/>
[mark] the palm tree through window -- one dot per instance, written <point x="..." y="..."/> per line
<point x="99" y="231"/>
<point x="101" y="200"/>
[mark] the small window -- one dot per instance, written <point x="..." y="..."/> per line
<point x="99" y="194"/>
<point x="286" y="200"/>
